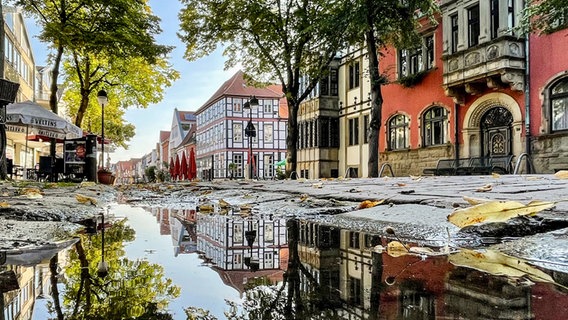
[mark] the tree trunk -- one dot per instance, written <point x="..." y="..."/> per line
<point x="291" y="141"/>
<point x="53" y="93"/>
<point x="376" y="104"/>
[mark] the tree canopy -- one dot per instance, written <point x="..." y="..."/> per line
<point x="103" y="41"/>
<point x="545" y="16"/>
<point x="277" y="41"/>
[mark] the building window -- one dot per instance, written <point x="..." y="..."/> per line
<point x="268" y="166"/>
<point x="353" y="131"/>
<point x="473" y="25"/>
<point x="354" y="70"/>
<point x="355" y="290"/>
<point x="418" y="59"/>
<point x="455" y="32"/>
<point x="268" y="108"/>
<point x="511" y="14"/>
<point x="559" y="105"/>
<point x="398" y="132"/>
<point x="494" y="7"/>
<point x="268" y="133"/>
<point x="353" y="240"/>
<point x="366" y="129"/>
<point x="238" y="161"/>
<point x="237" y="132"/>
<point x="269" y="232"/>
<point x="333" y="82"/>
<point x="434" y="126"/>
<point x="237" y="233"/>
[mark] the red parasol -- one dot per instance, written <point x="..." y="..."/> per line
<point x="183" y="167"/>
<point x="172" y="168"/>
<point x="192" y="165"/>
<point x="177" y="168"/>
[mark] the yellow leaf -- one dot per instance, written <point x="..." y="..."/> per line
<point x="496" y="175"/>
<point x="370" y="203"/>
<point x="85" y="200"/>
<point x="223" y="204"/>
<point x="475" y="201"/>
<point x="562" y="174"/>
<point x="4" y="204"/>
<point x="485" y="188"/>
<point x="495" y="211"/>
<point x="317" y="185"/>
<point x="497" y="263"/>
<point x="396" y="249"/>
<point x="416" y="178"/>
<point x="206" y="208"/>
<point x="303" y="197"/>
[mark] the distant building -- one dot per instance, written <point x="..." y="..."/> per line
<point x="221" y="124"/>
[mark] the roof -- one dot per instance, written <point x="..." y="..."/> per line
<point x="164" y="135"/>
<point x="237" y="86"/>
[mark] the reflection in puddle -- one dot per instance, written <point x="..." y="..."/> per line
<point x="270" y="267"/>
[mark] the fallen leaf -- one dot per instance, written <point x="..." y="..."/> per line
<point x="206" y="208"/>
<point x="416" y="178"/>
<point x="475" y="201"/>
<point x="370" y="203"/>
<point x="485" y="188"/>
<point x="223" y="204"/>
<point x="317" y="185"/>
<point x="303" y="197"/>
<point x="497" y="263"/>
<point x="396" y="249"/>
<point x="496" y="175"/>
<point x="401" y="184"/>
<point x="4" y="204"/>
<point x="87" y="184"/>
<point x="496" y="211"/>
<point x="85" y="200"/>
<point x="562" y="174"/>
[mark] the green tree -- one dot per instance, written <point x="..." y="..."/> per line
<point x="273" y="40"/>
<point x="545" y="16"/>
<point x="379" y="24"/>
<point x="133" y="289"/>
<point x="121" y="31"/>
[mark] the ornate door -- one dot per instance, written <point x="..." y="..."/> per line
<point x="496" y="132"/>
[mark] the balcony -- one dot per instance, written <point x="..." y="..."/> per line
<point x="491" y="65"/>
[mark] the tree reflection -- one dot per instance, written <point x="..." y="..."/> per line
<point x="132" y="289"/>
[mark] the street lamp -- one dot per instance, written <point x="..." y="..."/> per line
<point x="102" y="269"/>
<point x="103" y="100"/>
<point x="8" y="93"/>
<point x="250" y="236"/>
<point x="250" y="130"/>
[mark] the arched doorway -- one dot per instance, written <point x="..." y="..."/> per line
<point x="496" y="132"/>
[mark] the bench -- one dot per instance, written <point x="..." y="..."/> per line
<point x="472" y="166"/>
<point x="446" y="167"/>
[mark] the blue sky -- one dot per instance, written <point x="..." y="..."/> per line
<point x="198" y="81"/>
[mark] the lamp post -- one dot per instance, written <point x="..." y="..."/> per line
<point x="250" y="131"/>
<point x="8" y="92"/>
<point x="103" y="100"/>
<point x="102" y="269"/>
<point x="250" y="236"/>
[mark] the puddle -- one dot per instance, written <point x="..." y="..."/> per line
<point x="164" y="261"/>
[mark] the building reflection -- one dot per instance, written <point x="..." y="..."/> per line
<point x="370" y="284"/>
<point x="22" y="285"/>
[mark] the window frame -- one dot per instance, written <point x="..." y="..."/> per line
<point x="353" y="127"/>
<point x="561" y="96"/>
<point x="422" y="58"/>
<point x="428" y="132"/>
<point x="473" y="25"/>
<point x="393" y="130"/>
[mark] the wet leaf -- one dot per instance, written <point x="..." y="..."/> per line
<point x="497" y="263"/>
<point x="485" y="188"/>
<point x="496" y="211"/>
<point x="223" y="204"/>
<point x="85" y="200"/>
<point x="370" y="203"/>
<point x="31" y="192"/>
<point x="396" y="249"/>
<point x="4" y="204"/>
<point x="303" y="197"/>
<point x="416" y="178"/>
<point x="562" y="174"/>
<point x="317" y="185"/>
<point x="401" y="184"/>
<point x="87" y="184"/>
<point x="475" y="201"/>
<point x="496" y="175"/>
<point x="206" y="208"/>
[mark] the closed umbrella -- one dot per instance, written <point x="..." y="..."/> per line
<point x="172" y="168"/>
<point x="183" y="167"/>
<point x="177" y="168"/>
<point x="192" y="165"/>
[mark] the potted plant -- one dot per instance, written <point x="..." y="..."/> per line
<point x="105" y="176"/>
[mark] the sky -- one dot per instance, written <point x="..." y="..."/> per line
<point x="198" y="82"/>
